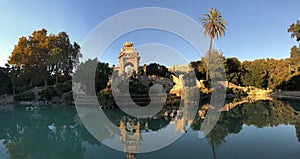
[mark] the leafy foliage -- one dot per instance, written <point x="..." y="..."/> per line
<point x="292" y="84"/>
<point x="6" y="85"/>
<point x="255" y="73"/>
<point x="26" y="96"/>
<point x="158" y="70"/>
<point x="93" y="73"/>
<point x="47" y="94"/>
<point x="62" y="88"/>
<point x="233" y="70"/>
<point x="67" y="97"/>
<point x="199" y="68"/>
<point x="216" y="65"/>
<point x="41" y="55"/>
<point x="294" y="29"/>
<point x="103" y="72"/>
<point x="213" y="23"/>
<point x="295" y="58"/>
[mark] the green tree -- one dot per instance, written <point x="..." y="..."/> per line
<point x="41" y="55"/>
<point x="292" y="84"/>
<point x="158" y="70"/>
<point x="55" y="58"/>
<point x="103" y="72"/>
<point x="14" y="74"/>
<point x="70" y="54"/>
<point x="255" y="73"/>
<point x="6" y="85"/>
<point x="30" y="54"/>
<point x="63" y="56"/>
<point x="233" y="70"/>
<point x="214" y="27"/>
<point x="38" y="53"/>
<point x="199" y="68"/>
<point x="20" y="57"/>
<point x="92" y="73"/>
<point x="294" y="29"/>
<point x="275" y="68"/>
<point x="295" y="57"/>
<point x="216" y="64"/>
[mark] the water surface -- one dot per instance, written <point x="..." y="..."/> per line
<point x="264" y="129"/>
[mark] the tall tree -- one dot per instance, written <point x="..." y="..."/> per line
<point x="88" y="76"/>
<point x="233" y="70"/>
<point x="6" y="85"/>
<point x="255" y="73"/>
<point x="71" y="53"/>
<point x="295" y="57"/>
<point x="40" y="55"/>
<point x="30" y="54"/>
<point x="216" y="64"/>
<point x="199" y="68"/>
<point x="294" y="29"/>
<point x="55" y="58"/>
<point x="103" y="72"/>
<point x="158" y="70"/>
<point x="214" y="27"/>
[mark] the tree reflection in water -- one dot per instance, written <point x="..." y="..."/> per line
<point x="268" y="113"/>
<point x="56" y="132"/>
<point x="44" y="133"/>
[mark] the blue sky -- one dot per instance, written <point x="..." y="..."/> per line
<point x="256" y="28"/>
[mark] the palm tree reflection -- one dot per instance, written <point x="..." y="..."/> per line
<point x="57" y="133"/>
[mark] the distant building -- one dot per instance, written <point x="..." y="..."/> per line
<point x="128" y="61"/>
<point x="128" y="67"/>
<point x="180" y="68"/>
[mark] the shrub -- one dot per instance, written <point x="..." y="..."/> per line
<point x="236" y="91"/>
<point x="26" y="96"/>
<point x="47" y="94"/>
<point x="62" y="88"/>
<point x="67" y="97"/>
<point x="6" y="85"/>
<point x="138" y="88"/>
<point x="207" y="84"/>
<point x="22" y="89"/>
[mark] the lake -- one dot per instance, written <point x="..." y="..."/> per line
<point x="263" y="129"/>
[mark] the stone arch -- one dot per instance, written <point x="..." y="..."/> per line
<point x="129" y="64"/>
<point x="129" y="69"/>
<point x="128" y="56"/>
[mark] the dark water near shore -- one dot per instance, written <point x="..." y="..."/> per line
<point x="264" y="129"/>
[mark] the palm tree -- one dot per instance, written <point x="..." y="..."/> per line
<point x="213" y="145"/>
<point x="214" y="27"/>
<point x="294" y="29"/>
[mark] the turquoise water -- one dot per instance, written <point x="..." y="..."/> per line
<point x="264" y="129"/>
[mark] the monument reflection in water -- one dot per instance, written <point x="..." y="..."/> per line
<point x="264" y="129"/>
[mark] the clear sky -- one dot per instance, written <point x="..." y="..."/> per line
<point x="256" y="28"/>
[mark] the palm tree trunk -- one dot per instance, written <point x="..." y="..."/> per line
<point x="208" y="60"/>
<point x="213" y="145"/>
